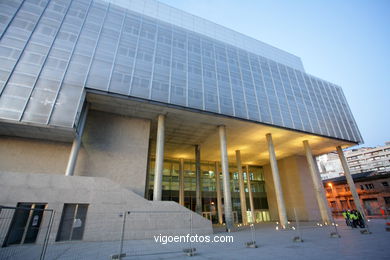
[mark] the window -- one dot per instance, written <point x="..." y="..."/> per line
<point x="26" y="223"/>
<point x="385" y="184"/>
<point x="369" y="186"/>
<point x="333" y="205"/>
<point x="344" y="204"/>
<point x="362" y="187"/>
<point x="72" y="222"/>
<point x="352" y="203"/>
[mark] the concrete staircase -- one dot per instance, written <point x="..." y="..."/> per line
<point x="107" y="201"/>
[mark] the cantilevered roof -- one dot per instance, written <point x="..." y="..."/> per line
<point x="185" y="128"/>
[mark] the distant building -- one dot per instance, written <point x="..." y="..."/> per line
<point x="365" y="159"/>
<point x="373" y="190"/>
<point x="369" y="159"/>
<point x="329" y="165"/>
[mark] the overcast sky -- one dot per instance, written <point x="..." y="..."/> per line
<point x="344" y="42"/>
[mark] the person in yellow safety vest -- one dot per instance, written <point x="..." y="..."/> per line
<point x="346" y="217"/>
<point x="354" y="218"/>
<point x="360" y="221"/>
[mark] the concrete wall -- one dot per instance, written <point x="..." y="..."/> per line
<point x="106" y="200"/>
<point x="33" y="156"/>
<point x="115" y="147"/>
<point x="298" y="189"/>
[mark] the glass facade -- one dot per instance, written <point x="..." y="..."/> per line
<point x="51" y="51"/>
<point x="170" y="185"/>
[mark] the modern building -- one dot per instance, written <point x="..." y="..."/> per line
<point x="108" y="106"/>
<point x="373" y="190"/>
<point x="365" y="159"/>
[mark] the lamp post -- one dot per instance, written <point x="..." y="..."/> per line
<point x="335" y="199"/>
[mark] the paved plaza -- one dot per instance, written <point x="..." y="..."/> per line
<point x="272" y="245"/>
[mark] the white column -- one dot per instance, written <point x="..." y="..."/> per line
<point x="242" y="189"/>
<point x="351" y="183"/>
<point x="76" y="143"/>
<point x="181" y="182"/>
<point x="226" y="179"/>
<point x="198" y="195"/>
<point x="219" y="197"/>
<point x="248" y="179"/>
<point x="159" y="164"/>
<point x="318" y="186"/>
<point x="278" y="187"/>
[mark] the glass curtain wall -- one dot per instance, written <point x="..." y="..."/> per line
<point x="209" y="196"/>
<point x="52" y="52"/>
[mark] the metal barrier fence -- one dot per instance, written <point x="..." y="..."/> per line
<point x="126" y="234"/>
<point x="159" y="233"/>
<point x="24" y="231"/>
<point x="24" y="234"/>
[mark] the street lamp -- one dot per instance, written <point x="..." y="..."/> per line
<point x="335" y="199"/>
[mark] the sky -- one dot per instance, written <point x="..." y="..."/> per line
<point x="344" y="42"/>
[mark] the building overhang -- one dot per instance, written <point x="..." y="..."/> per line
<point x="36" y="131"/>
<point x="186" y="127"/>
